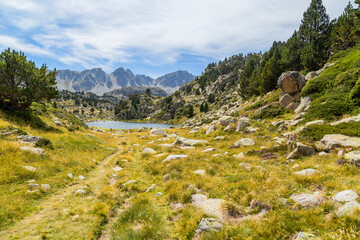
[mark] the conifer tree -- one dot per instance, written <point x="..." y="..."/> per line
<point x="342" y="33"/>
<point x="314" y="33"/>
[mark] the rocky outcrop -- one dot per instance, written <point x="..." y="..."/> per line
<point x="345" y="196"/>
<point x="291" y="83"/>
<point x="301" y="150"/>
<point x="306" y="199"/>
<point x="243" y="142"/>
<point x="339" y="140"/>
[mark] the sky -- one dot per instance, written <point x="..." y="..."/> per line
<point x="148" y="37"/>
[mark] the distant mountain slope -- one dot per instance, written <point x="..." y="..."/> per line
<point x="125" y="92"/>
<point x="98" y="82"/>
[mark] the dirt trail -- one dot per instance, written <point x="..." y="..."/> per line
<point x="65" y="215"/>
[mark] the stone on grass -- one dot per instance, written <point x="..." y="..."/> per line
<point x="226" y="120"/>
<point x="286" y="99"/>
<point x="243" y="142"/>
<point x="339" y="140"/>
<point x="354" y="156"/>
<point x="200" y="172"/>
<point x="159" y="194"/>
<point x="70" y="175"/>
<point x="345" y="196"/>
<point x="217" y="155"/>
<point x="80" y="192"/>
<point x="128" y="182"/>
<point x="348" y="208"/>
<point x="174" y="157"/>
<point x="149" y="151"/>
<point x="33" y="185"/>
<point x="242" y="123"/>
<point x="32" y="169"/>
<point x="192" y="142"/>
<point x="219" y="138"/>
<point x="210" y="129"/>
<point x="117" y="168"/>
<point x="45" y="187"/>
<point x="209" y="225"/>
<point x="82" y="177"/>
<point x="301" y="150"/>
<point x="211" y="206"/>
<point x="322" y="154"/>
<point x="158" y="131"/>
<point x="240" y="155"/>
<point x="208" y="150"/>
<point x="30" y="139"/>
<point x="306" y="199"/>
<point x="167" y="145"/>
<point x="306" y="236"/>
<point x="33" y="150"/>
<point x="316" y="122"/>
<point x="306" y="172"/>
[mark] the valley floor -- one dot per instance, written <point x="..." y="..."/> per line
<point x="132" y="189"/>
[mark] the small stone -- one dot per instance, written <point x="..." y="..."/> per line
<point x="32" y="169"/>
<point x="70" y="175"/>
<point x="217" y="155"/>
<point x="240" y="155"/>
<point x="33" y="150"/>
<point x="31" y="181"/>
<point x="117" y="168"/>
<point x="80" y="192"/>
<point x="45" y="187"/>
<point x="295" y="166"/>
<point x="208" y="150"/>
<point x="128" y="182"/>
<point x="306" y="199"/>
<point x="345" y="196"/>
<point x="81" y="177"/>
<point x="219" y="138"/>
<point x="200" y="172"/>
<point x="33" y="185"/>
<point x="322" y="154"/>
<point x="173" y="157"/>
<point x="348" y="208"/>
<point x="341" y="153"/>
<point x="158" y="131"/>
<point x="243" y="142"/>
<point x="149" y="151"/>
<point x="159" y="194"/>
<point x="209" y="225"/>
<point x="306" y="172"/>
<point x="306" y="236"/>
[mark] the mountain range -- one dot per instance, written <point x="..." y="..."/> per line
<point x="99" y="82"/>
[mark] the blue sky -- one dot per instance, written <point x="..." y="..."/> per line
<point x="149" y="37"/>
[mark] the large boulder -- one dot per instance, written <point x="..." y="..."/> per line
<point x="345" y="196"/>
<point x="353" y="156"/>
<point x="291" y="82"/>
<point x="348" y="208"/>
<point x="209" y="225"/>
<point x="286" y="99"/>
<point x="242" y="123"/>
<point x="301" y="150"/>
<point x="226" y="120"/>
<point x="30" y="139"/>
<point x="158" y="131"/>
<point x="306" y="236"/>
<point x="339" y="140"/>
<point x="210" y="129"/>
<point x="174" y="157"/>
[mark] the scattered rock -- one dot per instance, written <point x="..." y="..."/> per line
<point x="322" y="154"/>
<point x="33" y="185"/>
<point x="81" y="177"/>
<point x="33" y="150"/>
<point x="80" y="192"/>
<point x="301" y="150"/>
<point x="245" y="165"/>
<point x="345" y="196"/>
<point x="151" y="188"/>
<point x="306" y="199"/>
<point x="128" y="182"/>
<point x="70" y="175"/>
<point x="210" y="129"/>
<point x="339" y="140"/>
<point x="149" y="151"/>
<point x="45" y="187"/>
<point x="192" y="142"/>
<point x="167" y="145"/>
<point x="209" y="225"/>
<point x="158" y="131"/>
<point x="243" y="142"/>
<point x="219" y="138"/>
<point x="200" y="172"/>
<point x="353" y="155"/>
<point x="174" y="157"/>
<point x="211" y="206"/>
<point x="229" y="128"/>
<point x="341" y="153"/>
<point x="242" y="123"/>
<point x="306" y="236"/>
<point x="159" y="194"/>
<point x="117" y="168"/>
<point x="348" y="208"/>
<point x="226" y="120"/>
<point x="32" y="169"/>
<point x="250" y="130"/>
<point x="30" y="139"/>
<point x="240" y="155"/>
<point x="347" y="120"/>
<point x="208" y="150"/>
<point x="321" y="147"/>
<point x="306" y="172"/>
<point x="317" y="122"/>
<point x="286" y="99"/>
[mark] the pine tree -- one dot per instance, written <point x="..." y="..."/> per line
<point x="202" y="107"/>
<point x="342" y="33"/>
<point x="206" y="107"/>
<point x="290" y="55"/>
<point x="356" y="29"/>
<point x="314" y="33"/>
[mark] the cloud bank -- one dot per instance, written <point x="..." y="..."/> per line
<point x="105" y="33"/>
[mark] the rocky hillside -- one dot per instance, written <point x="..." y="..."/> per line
<point x="125" y="92"/>
<point x="98" y="82"/>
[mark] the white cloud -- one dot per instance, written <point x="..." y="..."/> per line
<point x="119" y="30"/>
